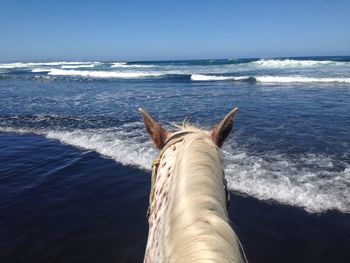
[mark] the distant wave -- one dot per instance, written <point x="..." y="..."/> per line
<point x="260" y="63"/>
<point x="178" y="75"/>
<point x="200" y="77"/>
<point x="103" y="74"/>
<point x="249" y="70"/>
<point x="81" y="66"/>
<point x="300" y="79"/>
<point x="200" y="62"/>
<point x="118" y="64"/>
<point x="267" y="176"/>
<point x="33" y="64"/>
<point x="282" y="63"/>
<point x="38" y="70"/>
<point x="270" y="79"/>
<point x="267" y="63"/>
<point x="125" y="65"/>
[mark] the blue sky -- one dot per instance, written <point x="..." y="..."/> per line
<point x="153" y="30"/>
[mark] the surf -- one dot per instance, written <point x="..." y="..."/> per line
<point x="308" y="181"/>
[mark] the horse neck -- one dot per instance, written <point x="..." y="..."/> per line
<point x="197" y="224"/>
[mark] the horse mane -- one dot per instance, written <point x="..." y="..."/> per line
<point x="198" y="226"/>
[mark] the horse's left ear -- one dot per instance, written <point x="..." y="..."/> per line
<point x="220" y="132"/>
<point x="158" y="134"/>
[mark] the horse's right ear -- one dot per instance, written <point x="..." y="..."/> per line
<point x="157" y="133"/>
<point x="222" y="130"/>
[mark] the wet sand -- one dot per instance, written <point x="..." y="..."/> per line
<point x="63" y="204"/>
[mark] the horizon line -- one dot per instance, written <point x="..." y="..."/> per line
<point x="165" y="60"/>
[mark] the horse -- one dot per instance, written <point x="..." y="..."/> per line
<point x="187" y="214"/>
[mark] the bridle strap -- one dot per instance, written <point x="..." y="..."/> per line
<point x="176" y="135"/>
<point x="176" y="138"/>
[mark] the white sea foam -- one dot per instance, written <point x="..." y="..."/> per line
<point x="111" y="143"/>
<point x="33" y="64"/>
<point x="267" y="176"/>
<point x="270" y="79"/>
<point x="129" y="148"/>
<point x="37" y="70"/>
<point x="277" y="177"/>
<point x="125" y="65"/>
<point x="103" y="74"/>
<point x="80" y="66"/>
<point x="118" y="64"/>
<point x="282" y="63"/>
<point x="299" y="79"/>
<point x="200" y="77"/>
<point x="14" y="65"/>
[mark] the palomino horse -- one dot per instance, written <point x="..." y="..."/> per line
<point x="188" y="220"/>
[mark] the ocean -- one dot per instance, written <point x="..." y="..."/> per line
<point x="75" y="157"/>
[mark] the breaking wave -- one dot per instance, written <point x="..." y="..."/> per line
<point x="300" y="79"/>
<point x="282" y="63"/>
<point x="308" y="181"/>
<point x="200" y="77"/>
<point x="274" y="176"/>
<point x="126" y="65"/>
<point x="81" y="66"/>
<point x="103" y="74"/>
<point x="118" y="64"/>
<point x="250" y="70"/>
<point x="38" y="70"/>
<point x="33" y="64"/>
<point x="270" y="79"/>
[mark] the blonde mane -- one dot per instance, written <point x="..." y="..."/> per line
<point x="189" y="220"/>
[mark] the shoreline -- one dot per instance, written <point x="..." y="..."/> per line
<point x="87" y="207"/>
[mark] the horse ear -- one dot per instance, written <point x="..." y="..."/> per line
<point x="220" y="132"/>
<point x="158" y="134"/>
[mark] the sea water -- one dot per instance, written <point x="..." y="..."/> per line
<point x="290" y="142"/>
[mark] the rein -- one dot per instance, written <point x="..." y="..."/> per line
<point x="178" y="137"/>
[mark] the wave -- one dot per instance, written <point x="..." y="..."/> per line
<point x="103" y="74"/>
<point x="300" y="79"/>
<point x="126" y="65"/>
<point x="273" y="62"/>
<point x="290" y="181"/>
<point x="308" y="181"/>
<point x="38" y="70"/>
<point x="269" y="79"/>
<point x="80" y="66"/>
<point x="200" y="77"/>
<point x="199" y="62"/>
<point x="33" y="64"/>
<point x="260" y="63"/>
<point x="118" y="64"/>
<point x="283" y="63"/>
<point x="128" y="148"/>
<point x="185" y="75"/>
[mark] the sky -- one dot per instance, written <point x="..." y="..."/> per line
<point x="168" y="29"/>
